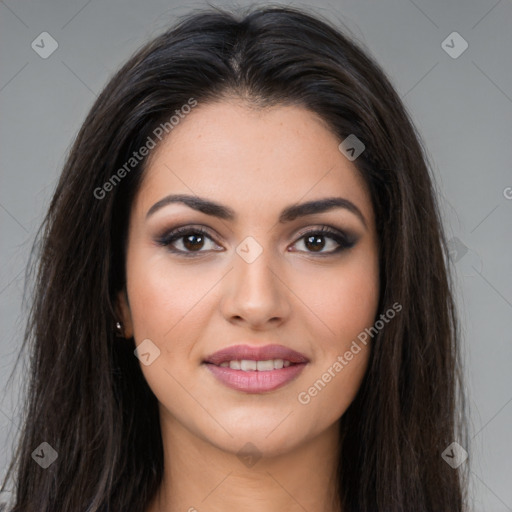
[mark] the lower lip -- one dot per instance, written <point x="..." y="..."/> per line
<point x="255" y="381"/>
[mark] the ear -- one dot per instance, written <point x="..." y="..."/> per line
<point x="124" y="313"/>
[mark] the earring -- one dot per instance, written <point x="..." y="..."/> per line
<point x="119" y="330"/>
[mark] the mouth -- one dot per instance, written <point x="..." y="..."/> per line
<point x="256" y="369"/>
<point x="247" y="365"/>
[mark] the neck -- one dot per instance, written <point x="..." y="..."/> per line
<point x="199" y="476"/>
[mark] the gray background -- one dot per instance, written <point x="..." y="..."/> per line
<point x="462" y="107"/>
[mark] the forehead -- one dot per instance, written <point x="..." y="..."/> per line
<point x="252" y="157"/>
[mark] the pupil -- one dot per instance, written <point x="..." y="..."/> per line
<point x="317" y="242"/>
<point x="193" y="242"/>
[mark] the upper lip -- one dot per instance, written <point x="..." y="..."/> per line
<point x="239" y="352"/>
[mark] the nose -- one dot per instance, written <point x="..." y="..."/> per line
<point x="255" y="294"/>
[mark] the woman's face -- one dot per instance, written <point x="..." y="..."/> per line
<point x="258" y="274"/>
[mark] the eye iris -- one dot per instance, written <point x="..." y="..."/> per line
<point x="193" y="241"/>
<point x="317" y="242"/>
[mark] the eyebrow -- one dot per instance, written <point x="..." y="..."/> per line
<point x="289" y="214"/>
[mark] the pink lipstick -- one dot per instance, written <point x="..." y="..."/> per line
<point x="256" y="369"/>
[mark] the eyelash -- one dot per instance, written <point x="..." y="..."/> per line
<point x="343" y="240"/>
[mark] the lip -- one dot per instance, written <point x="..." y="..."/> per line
<point x="256" y="381"/>
<point x="239" y="352"/>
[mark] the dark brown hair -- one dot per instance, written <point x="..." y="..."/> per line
<point x="86" y="395"/>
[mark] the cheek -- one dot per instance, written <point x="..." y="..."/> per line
<point x="329" y="394"/>
<point x="344" y="299"/>
<point x="162" y="299"/>
<point x="347" y="304"/>
<point x="172" y="313"/>
<point x="354" y="301"/>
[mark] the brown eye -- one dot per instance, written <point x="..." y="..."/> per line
<point x="333" y="241"/>
<point x="315" y="243"/>
<point x="188" y="241"/>
<point x="193" y="242"/>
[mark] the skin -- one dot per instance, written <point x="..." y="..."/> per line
<point x="257" y="162"/>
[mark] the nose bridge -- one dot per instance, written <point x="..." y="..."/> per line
<point x="255" y="293"/>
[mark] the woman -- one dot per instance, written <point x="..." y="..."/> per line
<point x="242" y="300"/>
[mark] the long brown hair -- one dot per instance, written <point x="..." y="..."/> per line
<point x="86" y="395"/>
